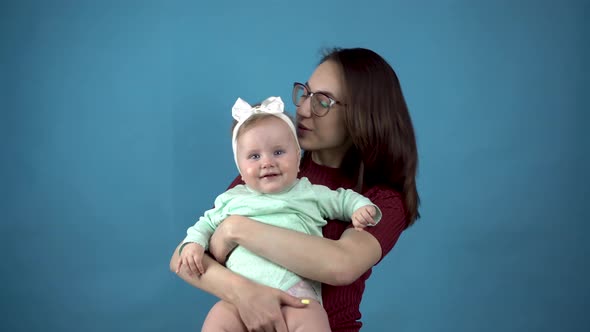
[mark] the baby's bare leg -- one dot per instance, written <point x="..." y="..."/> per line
<point x="312" y="318"/>
<point x="223" y="317"/>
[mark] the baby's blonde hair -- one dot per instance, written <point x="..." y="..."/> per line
<point x="253" y="120"/>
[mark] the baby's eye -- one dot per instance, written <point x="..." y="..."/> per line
<point x="254" y="156"/>
<point x="279" y="152"/>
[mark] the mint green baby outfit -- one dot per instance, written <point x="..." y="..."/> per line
<point x="303" y="208"/>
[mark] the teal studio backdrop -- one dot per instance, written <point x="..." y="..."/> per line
<point x="115" y="137"/>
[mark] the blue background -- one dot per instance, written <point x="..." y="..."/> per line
<point x="115" y="120"/>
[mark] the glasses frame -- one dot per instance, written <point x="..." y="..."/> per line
<point x="309" y="94"/>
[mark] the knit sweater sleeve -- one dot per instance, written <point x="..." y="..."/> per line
<point x="393" y="220"/>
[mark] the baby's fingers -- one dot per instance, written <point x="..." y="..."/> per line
<point x="192" y="264"/>
<point x="368" y="218"/>
<point x="200" y="265"/>
<point x="179" y="265"/>
<point x="365" y="217"/>
<point x="363" y="220"/>
<point x="358" y="224"/>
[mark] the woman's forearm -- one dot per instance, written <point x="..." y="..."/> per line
<point x="332" y="262"/>
<point x="217" y="280"/>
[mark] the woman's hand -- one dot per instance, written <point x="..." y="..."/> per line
<point x="222" y="243"/>
<point x="260" y="308"/>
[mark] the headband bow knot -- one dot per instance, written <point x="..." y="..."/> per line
<point x="242" y="110"/>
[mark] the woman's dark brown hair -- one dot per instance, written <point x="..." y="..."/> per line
<point x="384" y="150"/>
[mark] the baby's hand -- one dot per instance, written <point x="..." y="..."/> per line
<point x="192" y="256"/>
<point x="363" y="217"/>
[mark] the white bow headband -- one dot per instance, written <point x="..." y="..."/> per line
<point x="242" y="111"/>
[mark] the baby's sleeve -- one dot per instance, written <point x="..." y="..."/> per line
<point x="341" y="203"/>
<point x="204" y="228"/>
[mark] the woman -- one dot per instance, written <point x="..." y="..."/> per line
<point x="354" y="125"/>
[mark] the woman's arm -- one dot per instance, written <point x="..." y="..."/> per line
<point x="259" y="306"/>
<point x="334" y="262"/>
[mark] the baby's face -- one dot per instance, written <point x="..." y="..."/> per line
<point x="268" y="156"/>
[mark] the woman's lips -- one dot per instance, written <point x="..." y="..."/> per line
<point x="302" y="130"/>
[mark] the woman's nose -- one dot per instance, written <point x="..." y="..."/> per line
<point x="304" y="110"/>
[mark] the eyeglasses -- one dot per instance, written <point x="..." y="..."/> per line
<point x="320" y="102"/>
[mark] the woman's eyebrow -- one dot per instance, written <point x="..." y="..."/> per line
<point x="329" y="94"/>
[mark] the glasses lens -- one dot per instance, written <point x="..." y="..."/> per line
<point x="299" y="92"/>
<point x="320" y="104"/>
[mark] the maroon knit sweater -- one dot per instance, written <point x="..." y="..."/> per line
<point x="342" y="302"/>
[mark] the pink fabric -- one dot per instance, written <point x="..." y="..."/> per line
<point x="303" y="290"/>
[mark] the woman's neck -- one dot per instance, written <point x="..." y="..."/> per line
<point x="331" y="157"/>
<point x="327" y="158"/>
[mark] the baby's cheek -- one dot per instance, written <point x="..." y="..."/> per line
<point x="250" y="171"/>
